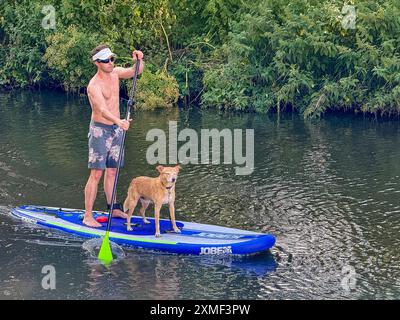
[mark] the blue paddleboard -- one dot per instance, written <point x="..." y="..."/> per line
<point x="195" y="238"/>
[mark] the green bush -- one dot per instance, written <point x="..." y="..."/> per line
<point x="22" y="43"/>
<point x="156" y="90"/>
<point x="228" y="54"/>
<point x="68" y="57"/>
<point x="298" y="54"/>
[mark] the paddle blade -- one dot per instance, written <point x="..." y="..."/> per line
<point x="105" y="253"/>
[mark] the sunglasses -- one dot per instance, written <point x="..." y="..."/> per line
<point x="112" y="59"/>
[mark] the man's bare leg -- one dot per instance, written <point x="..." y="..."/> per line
<point x="108" y="189"/>
<point x="90" y="196"/>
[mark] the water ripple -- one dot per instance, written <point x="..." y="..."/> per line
<point x="327" y="189"/>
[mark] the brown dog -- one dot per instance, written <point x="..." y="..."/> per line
<point x="160" y="190"/>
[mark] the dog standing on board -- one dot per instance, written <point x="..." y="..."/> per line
<point x="159" y="190"/>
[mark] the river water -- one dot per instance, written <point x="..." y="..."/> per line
<point x="328" y="189"/>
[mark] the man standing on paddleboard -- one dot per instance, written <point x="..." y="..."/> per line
<point x="105" y="130"/>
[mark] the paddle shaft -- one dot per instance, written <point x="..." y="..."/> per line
<point x="127" y="117"/>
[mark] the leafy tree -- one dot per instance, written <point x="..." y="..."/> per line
<point x="229" y="54"/>
<point x="299" y="55"/>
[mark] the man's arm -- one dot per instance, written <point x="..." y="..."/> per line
<point x="99" y="106"/>
<point x="128" y="73"/>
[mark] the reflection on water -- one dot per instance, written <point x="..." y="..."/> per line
<point x="328" y="190"/>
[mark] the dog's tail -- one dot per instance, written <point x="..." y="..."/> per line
<point x="126" y="204"/>
<point x="127" y="201"/>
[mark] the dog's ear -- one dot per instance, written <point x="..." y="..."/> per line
<point x="178" y="167"/>
<point x="159" y="168"/>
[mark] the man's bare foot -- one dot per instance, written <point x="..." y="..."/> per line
<point x="91" y="222"/>
<point x="120" y="214"/>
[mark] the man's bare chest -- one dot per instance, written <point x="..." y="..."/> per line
<point x="110" y="90"/>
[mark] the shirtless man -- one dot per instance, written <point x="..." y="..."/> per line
<point x="105" y="130"/>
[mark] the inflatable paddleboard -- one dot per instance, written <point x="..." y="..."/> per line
<point x="195" y="238"/>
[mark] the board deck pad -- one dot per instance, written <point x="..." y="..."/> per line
<point x="194" y="238"/>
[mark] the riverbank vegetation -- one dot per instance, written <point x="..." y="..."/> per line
<point x="309" y="56"/>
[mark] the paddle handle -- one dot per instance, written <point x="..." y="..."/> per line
<point x="131" y="103"/>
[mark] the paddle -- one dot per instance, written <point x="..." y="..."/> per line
<point x="105" y="254"/>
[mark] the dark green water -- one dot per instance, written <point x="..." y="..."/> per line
<point x="327" y="189"/>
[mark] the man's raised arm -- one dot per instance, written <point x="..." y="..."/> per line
<point x="127" y="73"/>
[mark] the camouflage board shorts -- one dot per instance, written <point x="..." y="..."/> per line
<point x="104" y="145"/>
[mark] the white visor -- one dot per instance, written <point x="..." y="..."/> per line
<point x="103" y="54"/>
